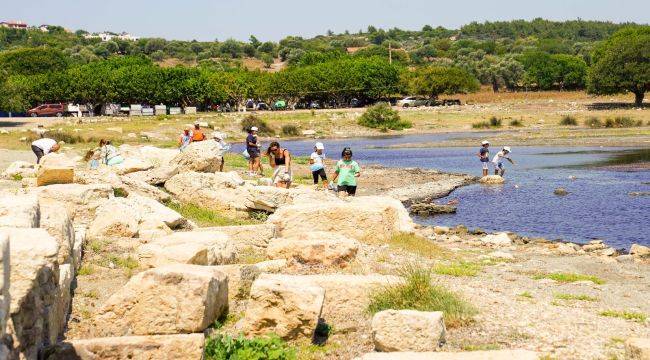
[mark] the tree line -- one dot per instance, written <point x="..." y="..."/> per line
<point x="32" y="75"/>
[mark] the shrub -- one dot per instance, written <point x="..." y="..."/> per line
<point x="263" y="128"/>
<point x="418" y="293"/>
<point x="120" y="192"/>
<point x="593" y="122"/>
<point x="381" y="116"/>
<point x="516" y="123"/>
<point x="289" y="130"/>
<point x="621" y="122"/>
<point x="225" y="347"/>
<point x="481" y="125"/>
<point x="495" y="122"/>
<point x="568" y="120"/>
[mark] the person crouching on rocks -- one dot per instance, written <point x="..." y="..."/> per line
<point x="280" y="161"/>
<point x="498" y="160"/>
<point x="44" y="146"/>
<point x="346" y="173"/>
<point x="484" y="156"/>
<point x="111" y="155"/>
<point x="317" y="164"/>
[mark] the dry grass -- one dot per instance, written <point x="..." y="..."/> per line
<point x="418" y="245"/>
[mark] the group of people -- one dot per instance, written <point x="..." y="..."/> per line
<point x="497" y="160"/>
<point x="190" y="135"/>
<point x="346" y="170"/>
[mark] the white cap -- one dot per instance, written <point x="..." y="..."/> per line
<point x="254" y="128"/>
<point x="507" y="148"/>
<point x="320" y="146"/>
<point x="217" y="135"/>
<point x="485" y="142"/>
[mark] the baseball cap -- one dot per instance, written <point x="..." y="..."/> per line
<point x="507" y="148"/>
<point x="320" y="146"/>
<point x="485" y="142"/>
<point x="254" y="128"/>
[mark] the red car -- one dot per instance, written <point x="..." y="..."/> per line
<point x="57" y="110"/>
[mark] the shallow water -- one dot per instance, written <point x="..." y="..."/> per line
<point x="598" y="205"/>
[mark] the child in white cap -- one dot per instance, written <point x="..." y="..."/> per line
<point x="484" y="156"/>
<point x="498" y="160"/>
<point x="317" y="164"/>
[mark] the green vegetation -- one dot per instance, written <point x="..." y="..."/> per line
<point x="622" y="122"/>
<point x="120" y="192"/>
<point x="516" y="123"/>
<point x="593" y="122"/>
<point x="290" y="130"/>
<point x="437" y="80"/>
<point x="225" y="347"/>
<point x="481" y="125"/>
<point x="207" y="217"/>
<point x="621" y="64"/>
<point x="580" y="297"/>
<point x="569" y="277"/>
<point x="381" y="116"/>
<point x="17" y="177"/>
<point x="263" y="128"/>
<point x="418" y="245"/>
<point x="569" y="120"/>
<point x="86" y="269"/>
<point x="495" y="122"/>
<point x="627" y="315"/>
<point x="526" y="294"/>
<point x="480" y="347"/>
<point x="457" y="269"/>
<point x="418" y="293"/>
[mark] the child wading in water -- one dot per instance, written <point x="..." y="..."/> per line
<point x="346" y="172"/>
<point x="317" y="164"/>
<point x="498" y="160"/>
<point x="484" y="155"/>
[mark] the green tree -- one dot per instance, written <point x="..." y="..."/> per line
<point x="436" y="80"/>
<point x="622" y="64"/>
<point x="30" y="61"/>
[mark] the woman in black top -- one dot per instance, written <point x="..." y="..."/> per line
<point x="280" y="161"/>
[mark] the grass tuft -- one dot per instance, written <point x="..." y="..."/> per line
<point x="418" y="245"/>
<point x="593" y="122"/>
<point x="580" y="297"/>
<point x="208" y="217"/>
<point x="526" y="294"/>
<point x="418" y="293"/>
<point x="569" y="120"/>
<point x="516" y="123"/>
<point x="86" y="270"/>
<point x="457" y="269"/>
<point x="480" y="347"/>
<point x="627" y="315"/>
<point x="569" y="277"/>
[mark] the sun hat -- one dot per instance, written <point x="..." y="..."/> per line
<point x="485" y="142"/>
<point x="507" y="148"/>
<point x="320" y="146"/>
<point x="254" y="128"/>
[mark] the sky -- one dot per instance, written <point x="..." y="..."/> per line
<point x="207" y="20"/>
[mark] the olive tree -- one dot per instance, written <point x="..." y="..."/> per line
<point x="436" y="80"/>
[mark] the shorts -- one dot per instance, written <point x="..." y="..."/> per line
<point x="317" y="173"/>
<point x="253" y="153"/>
<point x="498" y="165"/>
<point x="485" y="165"/>
<point x="351" y="190"/>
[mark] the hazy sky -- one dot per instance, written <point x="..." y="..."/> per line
<point x="274" y="19"/>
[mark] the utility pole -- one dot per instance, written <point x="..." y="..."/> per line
<point x="390" y="53"/>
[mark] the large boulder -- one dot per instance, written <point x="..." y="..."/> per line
<point x="174" y="299"/>
<point x="492" y="180"/>
<point x="154" y="210"/>
<point x="118" y="217"/>
<point x="55" y="169"/>
<point x="637" y="349"/>
<point x="640" y="253"/>
<point x="80" y="200"/>
<point x="34" y="281"/>
<point x="191" y="247"/>
<point x="315" y="248"/>
<point x="289" y="309"/>
<point x="131" y="164"/>
<point x="55" y="219"/>
<point x="156" y="156"/>
<point x="246" y="236"/>
<point x="19" y="211"/>
<point x="155" y="176"/>
<point x="101" y="175"/>
<point x="202" y="156"/>
<point x="19" y="169"/>
<point x="135" y="186"/>
<point x="63" y="299"/>
<point x="374" y="217"/>
<point x="469" y="355"/>
<point x="177" y="347"/>
<point x="498" y="239"/>
<point x="408" y="330"/>
<point x="344" y="294"/>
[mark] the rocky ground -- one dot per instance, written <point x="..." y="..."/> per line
<point x="150" y="271"/>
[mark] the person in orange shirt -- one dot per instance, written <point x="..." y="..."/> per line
<point x="197" y="134"/>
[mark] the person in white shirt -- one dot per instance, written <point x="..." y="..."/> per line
<point x="498" y="160"/>
<point x="44" y="146"/>
<point x="317" y="164"/>
<point x="222" y="146"/>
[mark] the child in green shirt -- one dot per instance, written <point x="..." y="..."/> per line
<point x="346" y="173"/>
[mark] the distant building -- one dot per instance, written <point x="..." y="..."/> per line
<point x="108" y="36"/>
<point x="13" y="24"/>
<point x="44" y="28"/>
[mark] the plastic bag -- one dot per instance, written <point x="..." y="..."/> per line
<point x="245" y="154"/>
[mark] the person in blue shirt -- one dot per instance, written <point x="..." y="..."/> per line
<point x="484" y="156"/>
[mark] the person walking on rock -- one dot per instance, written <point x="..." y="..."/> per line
<point x="346" y="173"/>
<point x="253" y="150"/>
<point x="44" y="146"/>
<point x="498" y="160"/>
<point x="484" y="156"/>
<point x="280" y="161"/>
<point x="317" y="164"/>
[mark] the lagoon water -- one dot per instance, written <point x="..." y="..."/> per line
<point x="598" y="205"/>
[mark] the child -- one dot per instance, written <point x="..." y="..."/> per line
<point x="484" y="156"/>
<point x="498" y="160"/>
<point x="317" y="164"/>
<point x="346" y="172"/>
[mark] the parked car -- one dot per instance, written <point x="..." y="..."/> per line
<point x="356" y="103"/>
<point x="57" y="110"/>
<point x="413" y="101"/>
<point x="262" y="106"/>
